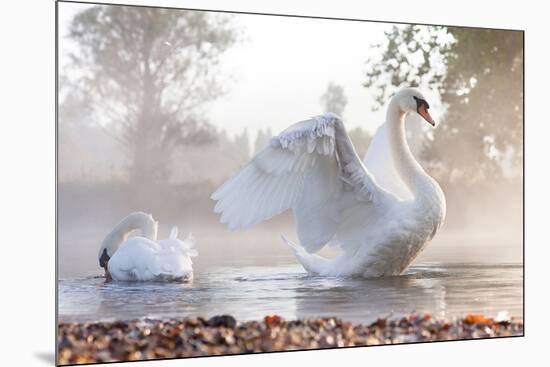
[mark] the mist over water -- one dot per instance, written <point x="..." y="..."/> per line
<point x="251" y="273"/>
<point x="480" y="240"/>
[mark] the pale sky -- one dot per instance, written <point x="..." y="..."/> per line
<point x="283" y="67"/>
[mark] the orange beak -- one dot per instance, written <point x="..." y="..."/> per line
<point x="423" y="111"/>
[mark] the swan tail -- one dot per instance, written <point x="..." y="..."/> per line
<point x="186" y="246"/>
<point x="313" y="264"/>
<point x="295" y="247"/>
<point x="174" y="233"/>
<point x="189" y="245"/>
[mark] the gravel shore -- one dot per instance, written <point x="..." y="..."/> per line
<point x="220" y="335"/>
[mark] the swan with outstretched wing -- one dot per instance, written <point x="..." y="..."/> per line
<point x="379" y="218"/>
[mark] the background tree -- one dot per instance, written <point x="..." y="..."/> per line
<point x="478" y="74"/>
<point x="262" y="139"/>
<point x="334" y="99"/>
<point x="146" y="73"/>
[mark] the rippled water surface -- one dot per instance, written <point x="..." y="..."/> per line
<point x="251" y="292"/>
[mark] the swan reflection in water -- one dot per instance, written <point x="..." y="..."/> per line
<point x="364" y="300"/>
<point x="131" y="300"/>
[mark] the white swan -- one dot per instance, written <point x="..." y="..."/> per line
<point x="380" y="218"/>
<point x="145" y="258"/>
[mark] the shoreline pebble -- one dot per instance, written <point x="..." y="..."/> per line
<point x="146" y="339"/>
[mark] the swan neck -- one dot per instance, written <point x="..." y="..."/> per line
<point x="408" y="168"/>
<point x="135" y="221"/>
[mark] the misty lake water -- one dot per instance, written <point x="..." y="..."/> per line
<point x="250" y="292"/>
<point x="472" y="267"/>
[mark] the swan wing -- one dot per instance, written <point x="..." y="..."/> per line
<point x="141" y="259"/>
<point x="310" y="167"/>
<point x="379" y="162"/>
<point x="135" y="260"/>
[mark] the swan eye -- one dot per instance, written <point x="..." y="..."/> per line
<point x="421" y="102"/>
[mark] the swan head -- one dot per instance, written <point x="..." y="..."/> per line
<point x="410" y="100"/>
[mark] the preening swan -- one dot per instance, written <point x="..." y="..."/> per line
<point x="144" y="258"/>
<point x="379" y="218"/>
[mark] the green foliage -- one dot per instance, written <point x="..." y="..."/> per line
<point x="413" y="55"/>
<point x="147" y="72"/>
<point x="478" y="74"/>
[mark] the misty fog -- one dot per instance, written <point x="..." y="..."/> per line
<point x="108" y="167"/>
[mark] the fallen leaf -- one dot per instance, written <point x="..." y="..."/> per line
<point x="272" y="319"/>
<point x="477" y="319"/>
